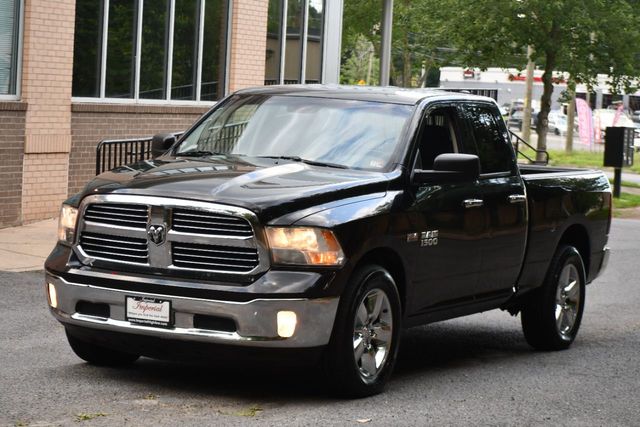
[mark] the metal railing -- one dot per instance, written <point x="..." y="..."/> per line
<point x="516" y="141"/>
<point x="491" y="93"/>
<point x="112" y="153"/>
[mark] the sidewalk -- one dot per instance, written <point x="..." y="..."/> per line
<point x="26" y="248"/>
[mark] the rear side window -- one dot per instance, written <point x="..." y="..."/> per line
<point x="491" y="143"/>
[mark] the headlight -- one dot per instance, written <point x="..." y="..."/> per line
<point x="304" y="246"/>
<point x="67" y="224"/>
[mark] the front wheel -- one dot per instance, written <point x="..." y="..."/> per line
<point x="551" y="318"/>
<point x="366" y="334"/>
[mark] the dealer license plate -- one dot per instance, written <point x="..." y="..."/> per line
<point x="148" y="311"/>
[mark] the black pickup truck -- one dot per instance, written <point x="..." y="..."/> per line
<point x="314" y="223"/>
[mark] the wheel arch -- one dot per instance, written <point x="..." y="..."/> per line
<point x="391" y="261"/>
<point x="577" y="236"/>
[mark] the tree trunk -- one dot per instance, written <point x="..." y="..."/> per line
<point x="545" y="103"/>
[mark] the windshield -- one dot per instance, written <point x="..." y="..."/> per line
<point x="355" y="134"/>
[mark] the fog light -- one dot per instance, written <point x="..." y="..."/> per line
<point x="53" y="295"/>
<point x="286" y="323"/>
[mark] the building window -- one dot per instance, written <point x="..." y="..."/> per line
<point x="150" y="49"/>
<point x="295" y="35"/>
<point x="9" y="46"/>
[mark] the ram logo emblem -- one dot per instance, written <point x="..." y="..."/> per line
<point x="156" y="234"/>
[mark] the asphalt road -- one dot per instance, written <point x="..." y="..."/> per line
<point x="472" y="371"/>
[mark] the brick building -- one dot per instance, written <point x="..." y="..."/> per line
<point x="74" y="72"/>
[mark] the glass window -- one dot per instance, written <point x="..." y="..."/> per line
<point x="121" y="49"/>
<point x="294" y="31"/>
<point x="9" y="34"/>
<point x="274" y="40"/>
<point x="153" y="58"/>
<point x="213" y="50"/>
<point x="185" y="49"/>
<point x="167" y="36"/>
<point x="315" y="35"/>
<point x="356" y="134"/>
<point x="87" y="46"/>
<point x="293" y="47"/>
<point x="492" y="144"/>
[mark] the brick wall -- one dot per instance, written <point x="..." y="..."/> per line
<point x="43" y="186"/>
<point x="46" y="88"/>
<point x="91" y="123"/>
<point x="248" y="43"/>
<point x="11" y="155"/>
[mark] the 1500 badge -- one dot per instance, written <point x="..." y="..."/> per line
<point x="427" y="238"/>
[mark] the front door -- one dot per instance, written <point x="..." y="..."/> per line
<point x="448" y="227"/>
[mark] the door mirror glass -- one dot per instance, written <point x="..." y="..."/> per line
<point x="160" y="143"/>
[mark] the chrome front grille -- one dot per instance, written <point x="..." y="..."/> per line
<point x="119" y="248"/>
<point x="129" y="215"/>
<point x="210" y="257"/>
<point x="202" y="222"/>
<point x="172" y="234"/>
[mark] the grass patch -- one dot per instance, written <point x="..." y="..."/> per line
<point x="584" y="159"/>
<point x="626" y="201"/>
<point x="86" y="417"/>
<point x="249" y="412"/>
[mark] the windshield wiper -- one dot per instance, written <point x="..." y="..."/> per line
<point x="309" y="162"/>
<point x="199" y="153"/>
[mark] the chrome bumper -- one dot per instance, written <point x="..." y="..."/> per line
<point x="256" y="320"/>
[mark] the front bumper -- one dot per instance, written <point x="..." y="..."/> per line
<point x="255" y="320"/>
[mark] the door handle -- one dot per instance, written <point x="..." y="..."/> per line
<point x="517" y="198"/>
<point x="473" y="203"/>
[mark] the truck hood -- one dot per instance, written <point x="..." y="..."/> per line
<point x="268" y="187"/>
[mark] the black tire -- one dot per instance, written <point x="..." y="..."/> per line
<point x="543" y="328"/>
<point x="348" y="375"/>
<point x="99" y="355"/>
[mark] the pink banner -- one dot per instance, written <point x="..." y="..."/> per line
<point x="618" y="114"/>
<point x="585" y="121"/>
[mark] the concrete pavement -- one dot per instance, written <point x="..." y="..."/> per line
<point x="25" y="248"/>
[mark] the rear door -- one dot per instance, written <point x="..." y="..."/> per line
<point x="503" y="194"/>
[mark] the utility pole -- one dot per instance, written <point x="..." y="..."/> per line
<point x="526" y="113"/>
<point x="571" y="114"/>
<point x="385" y="47"/>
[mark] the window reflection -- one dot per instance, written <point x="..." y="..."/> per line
<point x="274" y="40"/>
<point x="184" y="50"/>
<point x="357" y="134"/>
<point x="314" y="42"/>
<point x="87" y="47"/>
<point x="121" y="49"/>
<point x="153" y="58"/>
<point x="213" y="50"/>
<point x="292" y="58"/>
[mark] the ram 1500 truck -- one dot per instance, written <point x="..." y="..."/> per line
<point x="314" y="223"/>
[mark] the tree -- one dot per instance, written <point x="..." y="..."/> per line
<point x="580" y="37"/>
<point x="418" y="34"/>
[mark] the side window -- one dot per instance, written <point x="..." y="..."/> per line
<point x="490" y="142"/>
<point x="436" y="137"/>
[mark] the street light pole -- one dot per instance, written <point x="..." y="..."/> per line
<point x="385" y="48"/>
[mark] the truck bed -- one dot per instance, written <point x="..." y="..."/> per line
<point x="559" y="197"/>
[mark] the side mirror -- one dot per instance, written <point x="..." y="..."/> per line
<point x="160" y="143"/>
<point x="450" y="167"/>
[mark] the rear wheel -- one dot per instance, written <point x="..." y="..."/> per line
<point x="551" y="318"/>
<point x="366" y="334"/>
<point x="99" y="355"/>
